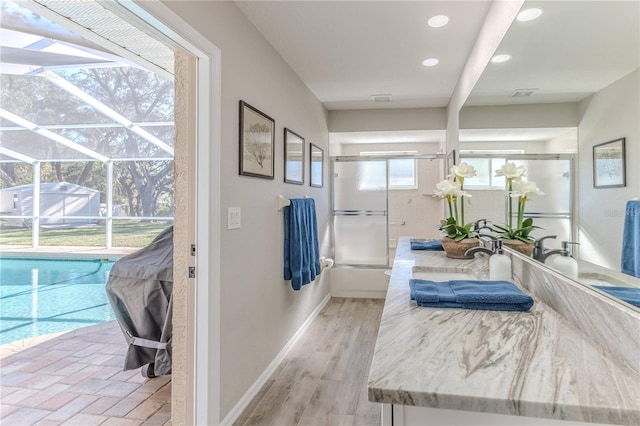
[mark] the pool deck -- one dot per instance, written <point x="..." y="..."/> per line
<point x="65" y="252"/>
<point x="76" y="378"/>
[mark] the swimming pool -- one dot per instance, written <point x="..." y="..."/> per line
<point x="41" y="296"/>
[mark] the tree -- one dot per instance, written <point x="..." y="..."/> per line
<point x="258" y="142"/>
<point x="141" y="96"/>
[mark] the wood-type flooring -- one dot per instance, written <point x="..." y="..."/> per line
<point x="323" y="379"/>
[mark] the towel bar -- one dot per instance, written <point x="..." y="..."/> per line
<point x="284" y="202"/>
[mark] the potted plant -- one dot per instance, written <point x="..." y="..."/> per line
<point x="517" y="237"/>
<point x="459" y="236"/>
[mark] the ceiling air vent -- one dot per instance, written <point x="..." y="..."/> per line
<point x="522" y="93"/>
<point x="381" y="98"/>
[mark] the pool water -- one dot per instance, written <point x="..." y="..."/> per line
<point x="49" y="296"/>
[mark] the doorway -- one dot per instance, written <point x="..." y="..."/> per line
<point x="196" y="307"/>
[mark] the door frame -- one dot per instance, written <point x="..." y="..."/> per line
<point x="203" y="401"/>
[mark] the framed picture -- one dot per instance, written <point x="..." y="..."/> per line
<point x="257" y="141"/>
<point x="293" y="157"/>
<point x="316" y="161"/>
<point x="450" y="162"/>
<point x="609" y="164"/>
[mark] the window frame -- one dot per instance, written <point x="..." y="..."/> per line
<point x="397" y="156"/>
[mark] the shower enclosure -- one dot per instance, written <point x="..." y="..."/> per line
<point x="376" y="199"/>
<point x="553" y="212"/>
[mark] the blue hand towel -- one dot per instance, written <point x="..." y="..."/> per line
<point x="467" y="294"/>
<point x="628" y="294"/>
<point x="301" y="252"/>
<point x="427" y="245"/>
<point x="630" y="259"/>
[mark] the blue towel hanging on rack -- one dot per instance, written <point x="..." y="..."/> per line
<point x="630" y="259"/>
<point x="301" y="252"/>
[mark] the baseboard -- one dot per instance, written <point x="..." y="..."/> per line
<point x="359" y="294"/>
<point x="257" y="385"/>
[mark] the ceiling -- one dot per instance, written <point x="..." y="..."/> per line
<point x="346" y="51"/>
<point x="576" y="48"/>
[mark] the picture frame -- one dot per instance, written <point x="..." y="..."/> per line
<point x="294" y="146"/>
<point x="609" y="164"/>
<point x="316" y="166"/>
<point x="257" y="142"/>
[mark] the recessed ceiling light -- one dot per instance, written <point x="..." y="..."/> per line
<point x="500" y="58"/>
<point x="529" y="14"/>
<point x="438" y="21"/>
<point x="430" y="62"/>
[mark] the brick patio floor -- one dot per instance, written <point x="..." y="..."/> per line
<point x="76" y="378"/>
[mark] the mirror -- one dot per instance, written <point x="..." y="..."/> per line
<point x="571" y="83"/>
<point x="293" y="157"/>
<point x="317" y="166"/>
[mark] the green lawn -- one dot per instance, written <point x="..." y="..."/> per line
<point x="129" y="233"/>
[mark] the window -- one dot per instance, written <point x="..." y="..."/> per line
<point x="403" y="173"/>
<point x="486" y="169"/>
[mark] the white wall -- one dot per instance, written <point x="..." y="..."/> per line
<point x="377" y="120"/>
<point x="260" y="311"/>
<point x="519" y="116"/>
<point x="609" y="114"/>
<point x="566" y="143"/>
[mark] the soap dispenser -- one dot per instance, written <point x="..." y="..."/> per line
<point x="499" y="264"/>
<point x="565" y="264"/>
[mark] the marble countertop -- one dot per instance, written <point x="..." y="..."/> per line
<point x="533" y="364"/>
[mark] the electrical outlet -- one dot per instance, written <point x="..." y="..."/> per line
<point x="233" y="218"/>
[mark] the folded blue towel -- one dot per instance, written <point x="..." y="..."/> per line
<point x="427" y="245"/>
<point x="630" y="263"/>
<point x="301" y="252"/>
<point x="628" y="294"/>
<point x="467" y="294"/>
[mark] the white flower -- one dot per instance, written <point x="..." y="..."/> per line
<point x="463" y="170"/>
<point x="446" y="188"/>
<point x="524" y="190"/>
<point x="510" y="171"/>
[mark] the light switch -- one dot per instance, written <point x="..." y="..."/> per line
<point x="233" y="218"/>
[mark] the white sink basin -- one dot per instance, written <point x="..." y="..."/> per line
<point x="442" y="275"/>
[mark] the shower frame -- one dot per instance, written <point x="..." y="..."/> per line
<point x="369" y="213"/>
<point x="570" y="215"/>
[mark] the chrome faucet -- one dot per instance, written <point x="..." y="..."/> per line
<point x="538" y="249"/>
<point x="496" y="245"/>
<point x="487" y="241"/>
<point x="481" y="224"/>
<point x="472" y="251"/>
<point x="564" y="251"/>
<point x="549" y="253"/>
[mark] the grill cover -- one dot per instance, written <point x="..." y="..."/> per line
<point x="140" y="290"/>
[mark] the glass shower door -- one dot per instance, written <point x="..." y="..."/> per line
<point x="552" y="212"/>
<point x="360" y="211"/>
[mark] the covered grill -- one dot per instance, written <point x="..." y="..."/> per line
<point x="140" y="289"/>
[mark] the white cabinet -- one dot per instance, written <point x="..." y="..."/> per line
<point x="405" y="415"/>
